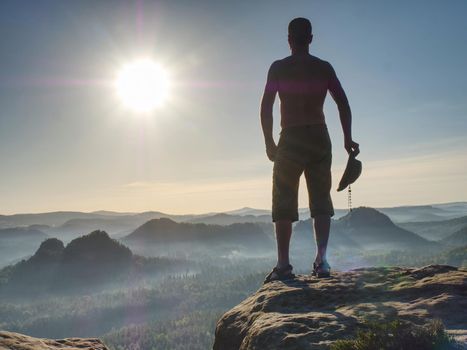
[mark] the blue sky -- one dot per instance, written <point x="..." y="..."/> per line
<point x="66" y="143"/>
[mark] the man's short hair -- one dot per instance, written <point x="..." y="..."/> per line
<point x="300" y="31"/>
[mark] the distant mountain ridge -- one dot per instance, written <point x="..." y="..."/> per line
<point x="433" y="212"/>
<point x="436" y="230"/>
<point x="69" y="225"/>
<point x="229" y="219"/>
<point x="59" y="218"/>
<point x="248" y="211"/>
<point x="14" y="232"/>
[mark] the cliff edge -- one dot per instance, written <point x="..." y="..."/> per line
<point x="311" y="313"/>
<point x="17" y="341"/>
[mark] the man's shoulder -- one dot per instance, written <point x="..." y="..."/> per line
<point x="277" y="63"/>
<point x="284" y="66"/>
<point x="322" y="62"/>
<point x="292" y="60"/>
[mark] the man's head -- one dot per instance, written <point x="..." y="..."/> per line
<point x="300" y="32"/>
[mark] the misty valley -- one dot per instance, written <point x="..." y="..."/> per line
<point x="162" y="281"/>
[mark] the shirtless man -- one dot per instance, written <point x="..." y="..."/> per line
<point x="302" y="82"/>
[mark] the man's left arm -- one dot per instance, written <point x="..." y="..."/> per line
<point x="267" y="103"/>
<point x="345" y="115"/>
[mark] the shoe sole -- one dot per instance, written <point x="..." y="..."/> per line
<point x="324" y="275"/>
<point x="321" y="275"/>
<point x="282" y="279"/>
<point x="290" y="276"/>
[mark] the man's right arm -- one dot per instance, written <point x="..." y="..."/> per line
<point x="345" y="115"/>
<point x="267" y="103"/>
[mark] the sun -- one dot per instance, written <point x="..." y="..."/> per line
<point x="142" y="85"/>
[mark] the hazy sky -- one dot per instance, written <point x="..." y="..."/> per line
<point x="67" y="143"/>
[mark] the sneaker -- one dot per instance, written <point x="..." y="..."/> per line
<point x="321" y="270"/>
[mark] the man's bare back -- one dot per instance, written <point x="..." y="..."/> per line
<point x="302" y="82"/>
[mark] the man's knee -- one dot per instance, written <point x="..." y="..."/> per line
<point x="322" y="208"/>
<point x="287" y="215"/>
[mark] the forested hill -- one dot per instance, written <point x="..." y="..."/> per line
<point x="164" y="230"/>
<point x="85" y="263"/>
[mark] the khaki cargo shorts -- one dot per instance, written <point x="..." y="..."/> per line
<point x="302" y="149"/>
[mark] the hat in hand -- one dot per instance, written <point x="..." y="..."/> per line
<point x="351" y="173"/>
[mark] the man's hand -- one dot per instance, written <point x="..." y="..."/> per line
<point x="351" y="147"/>
<point x="271" y="150"/>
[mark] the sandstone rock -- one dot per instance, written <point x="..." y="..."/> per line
<point x="17" y="341"/>
<point x="311" y="313"/>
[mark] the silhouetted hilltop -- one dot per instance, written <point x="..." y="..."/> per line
<point x="93" y="258"/>
<point x="371" y="229"/>
<point x="364" y="217"/>
<point x="96" y="248"/>
<point x="32" y="275"/>
<point x="161" y="231"/>
<point x="366" y="228"/>
<point x="152" y="227"/>
<point x="50" y="250"/>
<point x="311" y="313"/>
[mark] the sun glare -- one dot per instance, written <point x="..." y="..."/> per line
<point x="142" y="85"/>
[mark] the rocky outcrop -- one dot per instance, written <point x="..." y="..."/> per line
<point x="17" y="341"/>
<point x="311" y="313"/>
